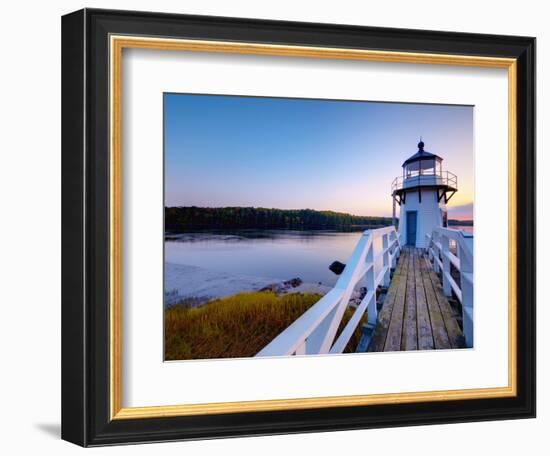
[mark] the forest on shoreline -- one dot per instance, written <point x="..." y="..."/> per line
<point x="194" y="218"/>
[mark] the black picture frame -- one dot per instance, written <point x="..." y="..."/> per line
<point x="85" y="225"/>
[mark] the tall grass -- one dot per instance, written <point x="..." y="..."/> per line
<point x="235" y="326"/>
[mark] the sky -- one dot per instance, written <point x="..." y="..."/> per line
<point x="302" y="153"/>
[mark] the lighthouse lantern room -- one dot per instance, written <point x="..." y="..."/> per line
<point x="422" y="193"/>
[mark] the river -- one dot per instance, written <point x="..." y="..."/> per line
<point x="220" y="263"/>
<point x="276" y="254"/>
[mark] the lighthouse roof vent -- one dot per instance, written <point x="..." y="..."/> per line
<point x="421" y="155"/>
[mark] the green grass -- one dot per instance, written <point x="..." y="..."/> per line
<point x="235" y="326"/>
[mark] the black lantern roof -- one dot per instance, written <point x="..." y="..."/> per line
<point x="421" y="155"/>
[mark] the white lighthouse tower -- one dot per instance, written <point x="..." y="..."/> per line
<point x="422" y="193"/>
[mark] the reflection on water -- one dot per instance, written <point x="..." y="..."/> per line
<point x="465" y="228"/>
<point x="266" y="253"/>
<point x="279" y="254"/>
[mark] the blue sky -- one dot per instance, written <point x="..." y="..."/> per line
<point x="299" y="153"/>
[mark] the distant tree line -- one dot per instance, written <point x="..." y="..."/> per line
<point x="453" y="222"/>
<point x="193" y="218"/>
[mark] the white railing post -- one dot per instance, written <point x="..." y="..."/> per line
<point x="323" y="336"/>
<point x="317" y="340"/>
<point x="301" y="350"/>
<point x="386" y="259"/>
<point x="436" y="243"/>
<point x="463" y="261"/>
<point x="395" y="249"/>
<point x="446" y="265"/>
<point x="467" y="288"/>
<point x="370" y="283"/>
<point x="314" y="332"/>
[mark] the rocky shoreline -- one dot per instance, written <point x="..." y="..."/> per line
<point x="196" y="286"/>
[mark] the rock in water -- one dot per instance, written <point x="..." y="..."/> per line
<point x="283" y="287"/>
<point x="273" y="287"/>
<point x="337" y="267"/>
<point x="296" y="282"/>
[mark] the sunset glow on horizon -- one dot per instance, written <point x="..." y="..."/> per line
<point x="307" y="154"/>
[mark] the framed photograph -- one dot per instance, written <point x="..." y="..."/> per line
<point x="277" y="227"/>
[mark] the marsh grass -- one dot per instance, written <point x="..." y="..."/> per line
<point x="235" y="326"/>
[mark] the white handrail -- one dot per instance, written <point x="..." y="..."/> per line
<point x="439" y="245"/>
<point x="314" y="332"/>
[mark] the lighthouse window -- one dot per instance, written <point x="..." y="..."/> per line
<point x="413" y="169"/>
<point x="428" y="166"/>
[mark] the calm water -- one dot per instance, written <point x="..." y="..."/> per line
<point x="467" y="229"/>
<point x="276" y="254"/>
<point x="280" y="255"/>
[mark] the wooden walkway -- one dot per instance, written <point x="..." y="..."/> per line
<point x="415" y="315"/>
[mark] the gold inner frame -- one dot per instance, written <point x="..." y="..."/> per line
<point x="117" y="44"/>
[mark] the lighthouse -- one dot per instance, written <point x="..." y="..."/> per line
<point x="422" y="193"/>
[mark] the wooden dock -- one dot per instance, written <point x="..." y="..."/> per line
<point x="415" y="314"/>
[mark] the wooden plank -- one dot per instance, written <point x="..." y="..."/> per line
<point x="380" y="332"/>
<point x="439" y="331"/>
<point x="425" y="337"/>
<point x="395" y="329"/>
<point x="409" y="339"/>
<point x="456" y="338"/>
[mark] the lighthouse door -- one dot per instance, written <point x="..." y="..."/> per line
<point x="411" y="228"/>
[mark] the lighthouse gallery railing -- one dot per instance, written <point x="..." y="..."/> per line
<point x="439" y="178"/>
<point x="315" y="331"/>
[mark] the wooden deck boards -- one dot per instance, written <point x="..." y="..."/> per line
<point x="416" y="315"/>
<point x="384" y="316"/>
<point x="410" y="332"/>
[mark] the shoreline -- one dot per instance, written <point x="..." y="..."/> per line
<point x="199" y="285"/>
